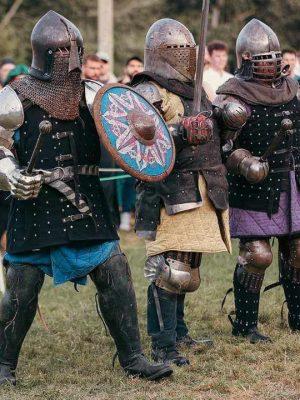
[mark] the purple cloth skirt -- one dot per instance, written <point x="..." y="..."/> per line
<point x="256" y="223"/>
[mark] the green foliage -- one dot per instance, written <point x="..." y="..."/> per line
<point x="133" y="18"/>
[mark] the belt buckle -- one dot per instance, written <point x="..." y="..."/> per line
<point x="60" y="173"/>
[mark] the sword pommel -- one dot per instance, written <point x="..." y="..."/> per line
<point x="286" y="125"/>
<point x="45" y="127"/>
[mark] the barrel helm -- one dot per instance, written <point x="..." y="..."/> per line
<point x="170" y="50"/>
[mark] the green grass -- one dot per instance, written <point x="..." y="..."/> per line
<point x="74" y="360"/>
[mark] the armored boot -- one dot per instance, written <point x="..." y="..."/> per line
<point x="17" y="311"/>
<point x="118" y="307"/>
<point x="290" y="278"/>
<point x="247" y="287"/>
<point x="161" y="314"/>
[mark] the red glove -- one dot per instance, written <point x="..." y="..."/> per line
<point x="199" y="129"/>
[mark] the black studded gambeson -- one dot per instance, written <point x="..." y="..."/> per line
<point x="45" y="221"/>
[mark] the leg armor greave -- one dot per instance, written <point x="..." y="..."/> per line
<point x="289" y="260"/>
<point x="254" y="258"/>
<point x="17" y="310"/>
<point x="118" y="304"/>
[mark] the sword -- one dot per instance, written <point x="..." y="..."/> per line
<point x="2" y="275"/>
<point x="285" y="129"/>
<point x="45" y="127"/>
<point x="200" y="59"/>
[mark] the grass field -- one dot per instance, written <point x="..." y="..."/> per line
<point x="74" y="360"/>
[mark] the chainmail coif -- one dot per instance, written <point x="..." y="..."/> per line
<point x="59" y="97"/>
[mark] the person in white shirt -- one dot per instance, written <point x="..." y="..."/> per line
<point x="215" y="74"/>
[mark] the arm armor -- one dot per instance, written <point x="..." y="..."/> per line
<point x="8" y="164"/>
<point x="11" y="115"/>
<point x="152" y="94"/>
<point x="11" y="109"/>
<point x="242" y="162"/>
<point x="232" y="117"/>
<point x="90" y="90"/>
<point x="11" y="118"/>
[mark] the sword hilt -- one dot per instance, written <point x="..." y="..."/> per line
<point x="45" y="128"/>
<point x="285" y="129"/>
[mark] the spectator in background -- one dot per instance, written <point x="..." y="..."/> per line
<point x="126" y="187"/>
<point x="6" y="65"/>
<point x="133" y="66"/>
<point x="215" y="74"/>
<point x="297" y="68"/>
<point x="106" y="75"/>
<point x="16" y="73"/>
<point x="91" y="67"/>
<point x="289" y="57"/>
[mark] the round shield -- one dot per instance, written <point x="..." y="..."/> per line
<point x="134" y="133"/>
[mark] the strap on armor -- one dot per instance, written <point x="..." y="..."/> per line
<point x="158" y="309"/>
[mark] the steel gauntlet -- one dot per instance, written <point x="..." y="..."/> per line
<point x="14" y="180"/>
<point x="252" y="168"/>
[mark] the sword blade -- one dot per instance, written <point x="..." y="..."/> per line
<point x="200" y="58"/>
<point x="2" y="275"/>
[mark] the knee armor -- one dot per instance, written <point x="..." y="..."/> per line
<point x="176" y="272"/>
<point x="256" y="256"/>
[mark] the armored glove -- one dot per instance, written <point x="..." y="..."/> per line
<point x="199" y="129"/>
<point x="13" y="179"/>
<point x="23" y="186"/>
<point x="252" y="168"/>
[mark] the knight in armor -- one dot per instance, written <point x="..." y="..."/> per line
<point x="59" y="221"/>
<point x="186" y="214"/>
<point x="260" y="114"/>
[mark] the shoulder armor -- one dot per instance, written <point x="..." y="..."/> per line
<point x="234" y="115"/>
<point x="149" y="91"/>
<point x="11" y="109"/>
<point x="90" y="90"/>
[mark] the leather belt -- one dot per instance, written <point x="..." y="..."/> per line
<point x="67" y="173"/>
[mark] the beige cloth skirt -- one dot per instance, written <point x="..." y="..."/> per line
<point x="203" y="229"/>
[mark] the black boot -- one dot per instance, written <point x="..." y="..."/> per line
<point x="161" y="314"/>
<point x="118" y="307"/>
<point x="247" y="287"/>
<point x="7" y="375"/>
<point x="181" y="327"/>
<point x="17" y="311"/>
<point x="183" y="339"/>
<point x="290" y="278"/>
